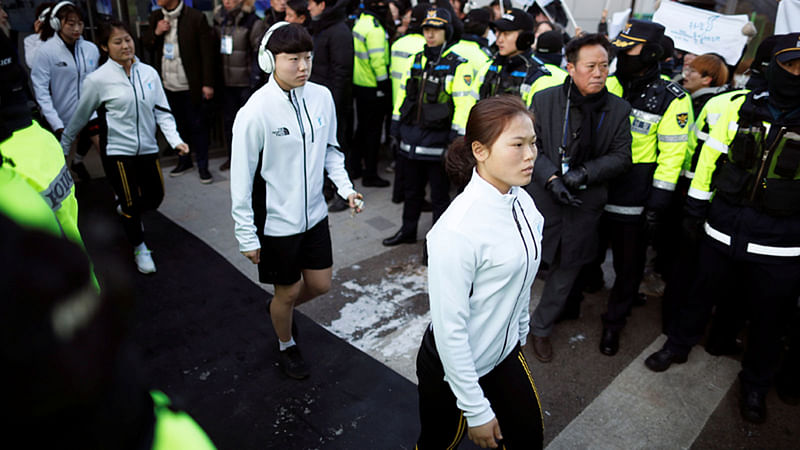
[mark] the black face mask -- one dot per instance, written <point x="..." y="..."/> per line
<point x="628" y="66"/>
<point x="784" y="88"/>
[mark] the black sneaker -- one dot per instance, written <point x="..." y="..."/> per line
<point x="80" y="170"/>
<point x="292" y="363"/>
<point x="181" y="168"/>
<point x="205" y="176"/>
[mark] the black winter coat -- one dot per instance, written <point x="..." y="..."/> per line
<point x="333" y="55"/>
<point x="572" y="228"/>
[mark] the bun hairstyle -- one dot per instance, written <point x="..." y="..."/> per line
<point x="487" y="121"/>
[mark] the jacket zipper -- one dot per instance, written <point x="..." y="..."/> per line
<point x="527" y="264"/>
<point x="136" y="100"/>
<point x="303" y="136"/>
<point x="764" y="158"/>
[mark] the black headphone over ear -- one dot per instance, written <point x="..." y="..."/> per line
<point x="651" y="52"/>
<point x="525" y="40"/>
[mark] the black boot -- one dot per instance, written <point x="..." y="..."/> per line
<point x="400" y="238"/>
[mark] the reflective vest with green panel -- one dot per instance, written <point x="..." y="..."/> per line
<point x="371" y="46"/>
<point x="402" y="56"/>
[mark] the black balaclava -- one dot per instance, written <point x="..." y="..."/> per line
<point x="784" y="87"/>
<point x="630" y="66"/>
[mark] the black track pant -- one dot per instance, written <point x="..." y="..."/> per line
<point x="508" y="387"/>
<point x="370" y="112"/>
<point x="139" y="186"/>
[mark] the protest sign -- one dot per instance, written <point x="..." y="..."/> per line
<point x="699" y="31"/>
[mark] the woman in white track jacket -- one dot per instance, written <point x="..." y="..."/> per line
<point x="484" y="252"/>
<point x="283" y="139"/>
<point x="130" y="100"/>
<point x="61" y="65"/>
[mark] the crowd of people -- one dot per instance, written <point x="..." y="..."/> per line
<point x="667" y="156"/>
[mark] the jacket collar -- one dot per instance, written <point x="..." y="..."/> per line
<point x="485" y="189"/>
<point x="117" y="65"/>
<point x="175" y="13"/>
<point x="274" y="87"/>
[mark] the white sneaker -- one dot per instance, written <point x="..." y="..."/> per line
<point x="144" y="262"/>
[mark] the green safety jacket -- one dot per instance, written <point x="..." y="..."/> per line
<point x="661" y="115"/>
<point x="556" y="78"/>
<point x="371" y="46"/>
<point x="39" y="159"/>
<point x="434" y="105"/>
<point x="402" y="56"/>
<point x="476" y="55"/>
<point x="755" y="154"/>
<point x="704" y="151"/>
<point x="176" y="429"/>
<point x="515" y="75"/>
<point x="20" y="203"/>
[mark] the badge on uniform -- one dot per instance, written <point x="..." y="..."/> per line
<point x="468" y="79"/>
<point x="683" y="119"/>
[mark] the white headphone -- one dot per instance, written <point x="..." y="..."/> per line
<point x="266" y="60"/>
<point x="43" y="16"/>
<point x="55" y="22"/>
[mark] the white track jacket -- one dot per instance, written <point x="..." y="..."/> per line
<point x="57" y="77"/>
<point x="130" y="109"/>
<point x="490" y="244"/>
<point x="293" y="135"/>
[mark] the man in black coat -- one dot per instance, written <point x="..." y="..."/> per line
<point x="584" y="140"/>
<point x="183" y="47"/>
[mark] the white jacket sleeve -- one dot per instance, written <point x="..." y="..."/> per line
<point x="40" y="79"/>
<point x="525" y="317"/>
<point x="334" y="159"/>
<point x="247" y="143"/>
<point x="452" y="264"/>
<point x="88" y="103"/>
<point x="164" y="117"/>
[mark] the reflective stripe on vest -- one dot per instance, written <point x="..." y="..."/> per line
<point x="624" y="210"/>
<point x="420" y="150"/>
<point x="756" y="249"/>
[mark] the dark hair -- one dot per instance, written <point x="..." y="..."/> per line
<point x="487" y="121"/>
<point x="544" y="22"/>
<point x="292" y="38"/>
<point x="300" y="7"/>
<point x="106" y="30"/>
<point x="63" y="12"/>
<point x="575" y="45"/>
<point x="42" y="6"/>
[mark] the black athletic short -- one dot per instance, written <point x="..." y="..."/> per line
<point x="283" y="258"/>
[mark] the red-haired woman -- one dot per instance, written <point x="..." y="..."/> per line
<point x="484" y="252"/>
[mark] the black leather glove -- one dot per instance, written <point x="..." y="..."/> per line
<point x="561" y="193"/>
<point x="575" y="177"/>
<point x="653" y="222"/>
<point x="692" y="227"/>
<point x="394" y="144"/>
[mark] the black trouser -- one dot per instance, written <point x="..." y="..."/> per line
<point x="418" y="173"/>
<point x="192" y="122"/>
<point x="370" y="112"/>
<point x="771" y="291"/>
<point x="233" y="98"/>
<point x="509" y="388"/>
<point x="629" y="249"/>
<point x="139" y="185"/>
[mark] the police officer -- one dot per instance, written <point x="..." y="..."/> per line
<point x="403" y="51"/>
<point x="372" y="90"/>
<point x="752" y="230"/>
<point x="661" y="114"/>
<point x="474" y="45"/>
<point x="549" y="49"/>
<point x="435" y="105"/>
<point x="513" y="70"/>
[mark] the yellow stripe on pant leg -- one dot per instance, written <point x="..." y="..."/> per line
<point x="125" y="188"/>
<point x="161" y="175"/>
<point x="459" y="431"/>
<point x="533" y="385"/>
